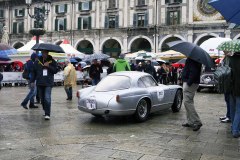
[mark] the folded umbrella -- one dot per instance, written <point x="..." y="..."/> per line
<point x="48" y="47"/>
<point x="229" y="9"/>
<point x="192" y="51"/>
<point x="230" y="46"/>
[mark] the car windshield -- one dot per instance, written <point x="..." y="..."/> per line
<point x="112" y="83"/>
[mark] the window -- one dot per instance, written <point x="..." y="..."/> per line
<point x="85" y="6"/>
<point x="111" y="21"/>
<point x="112" y="3"/>
<point x="84" y="23"/>
<point x="1" y="13"/>
<point x="141" y="2"/>
<point x="1" y="27"/>
<point x="173" y="17"/>
<point x="19" y="12"/>
<point x="172" y="1"/>
<point x="18" y="27"/>
<point x="141" y="84"/>
<point x="149" y="81"/>
<point x="61" y="8"/>
<point x="140" y="19"/>
<point x="60" y="24"/>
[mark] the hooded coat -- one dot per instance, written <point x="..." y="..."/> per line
<point x="121" y="65"/>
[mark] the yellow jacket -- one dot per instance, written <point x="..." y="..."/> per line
<point x="70" y="75"/>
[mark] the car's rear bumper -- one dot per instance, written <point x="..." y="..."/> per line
<point x="107" y="111"/>
<point x="206" y="85"/>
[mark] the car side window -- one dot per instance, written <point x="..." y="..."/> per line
<point x="149" y="81"/>
<point x="140" y="83"/>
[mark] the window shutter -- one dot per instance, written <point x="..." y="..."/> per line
<point x="15" y="27"/>
<point x="80" y="6"/>
<point x="166" y="1"/>
<point x="179" y="17"/>
<point x="35" y="24"/>
<point x="79" y="23"/>
<point x="56" y="9"/>
<point x="146" y="19"/>
<point x="16" y="12"/>
<point x="20" y="27"/>
<point x="56" y="24"/>
<point x="90" y="5"/>
<point x="1" y="13"/>
<point x="65" y="24"/>
<point x="134" y="20"/>
<point x="89" y="22"/>
<point x="168" y="18"/>
<point x="117" y="21"/>
<point x="106" y="22"/>
<point x="23" y="10"/>
<point x="65" y="8"/>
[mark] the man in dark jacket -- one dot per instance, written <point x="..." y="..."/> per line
<point x="95" y="72"/>
<point x="234" y="62"/>
<point x="191" y="79"/>
<point x="43" y="71"/>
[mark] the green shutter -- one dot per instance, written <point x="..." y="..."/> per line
<point x="21" y="27"/>
<point x="179" y="17"/>
<point x="15" y="27"/>
<point x="79" y="23"/>
<point x="134" y="20"/>
<point x="117" y="21"/>
<point x="65" y="8"/>
<point x="166" y="1"/>
<point x="146" y="19"/>
<point x="89" y="22"/>
<point x="106" y="22"/>
<point x="65" y="24"/>
<point x="80" y="6"/>
<point x="23" y="10"/>
<point x="1" y="13"/>
<point x="56" y="9"/>
<point x="168" y="18"/>
<point x="16" y="12"/>
<point x="56" y="24"/>
<point x="90" y="5"/>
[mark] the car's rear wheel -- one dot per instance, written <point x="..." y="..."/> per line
<point x="142" y="111"/>
<point x="177" y="103"/>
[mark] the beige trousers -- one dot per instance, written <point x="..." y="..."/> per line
<point x="188" y="96"/>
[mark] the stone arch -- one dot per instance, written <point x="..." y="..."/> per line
<point x="168" y="37"/>
<point x="237" y="37"/>
<point x="205" y="35"/>
<point x="137" y="37"/>
<point x="87" y="40"/>
<point x="108" y="38"/>
<point x="17" y="44"/>
<point x="111" y="46"/>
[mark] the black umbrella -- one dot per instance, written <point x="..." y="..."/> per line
<point x="48" y="47"/>
<point x="192" y="51"/>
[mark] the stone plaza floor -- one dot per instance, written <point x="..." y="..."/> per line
<point x="74" y="135"/>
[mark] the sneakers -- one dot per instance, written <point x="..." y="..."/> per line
<point x="47" y="118"/>
<point x="186" y="125"/>
<point x="33" y="106"/>
<point x="226" y="120"/>
<point x="24" y="106"/>
<point x="196" y="127"/>
<point x="222" y="118"/>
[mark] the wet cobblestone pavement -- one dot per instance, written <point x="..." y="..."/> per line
<point x="74" y="135"/>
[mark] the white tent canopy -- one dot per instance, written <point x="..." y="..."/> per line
<point x="210" y="45"/>
<point x="27" y="47"/>
<point x="70" y="50"/>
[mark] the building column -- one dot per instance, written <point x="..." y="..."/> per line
<point x="125" y="45"/>
<point x="190" y="36"/>
<point x="227" y="33"/>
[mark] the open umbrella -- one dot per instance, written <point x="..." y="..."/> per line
<point x="231" y="46"/>
<point x="98" y="56"/>
<point x="73" y="60"/>
<point x="179" y="63"/>
<point x="4" y="57"/>
<point x="7" y="50"/>
<point x="229" y="9"/>
<point x="192" y="51"/>
<point x="48" y="47"/>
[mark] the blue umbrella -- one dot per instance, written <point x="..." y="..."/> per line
<point x="229" y="9"/>
<point x="7" y="50"/>
<point x="4" y="57"/>
<point x="73" y="60"/>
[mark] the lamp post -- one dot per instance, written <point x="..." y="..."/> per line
<point x="40" y="15"/>
<point x="155" y="27"/>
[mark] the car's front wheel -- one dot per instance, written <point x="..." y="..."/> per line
<point x="177" y="103"/>
<point x="142" y="111"/>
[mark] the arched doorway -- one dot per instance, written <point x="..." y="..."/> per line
<point x="112" y="48"/>
<point x="18" y="45"/>
<point x="141" y="44"/>
<point x="85" y="47"/>
<point x="201" y="40"/>
<point x="170" y="39"/>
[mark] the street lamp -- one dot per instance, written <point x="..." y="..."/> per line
<point x="40" y="15"/>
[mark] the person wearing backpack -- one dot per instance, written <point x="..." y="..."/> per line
<point x="32" y="89"/>
<point x="234" y="62"/>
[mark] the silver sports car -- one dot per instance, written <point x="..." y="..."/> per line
<point x="129" y="93"/>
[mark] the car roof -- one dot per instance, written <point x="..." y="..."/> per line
<point x="131" y="74"/>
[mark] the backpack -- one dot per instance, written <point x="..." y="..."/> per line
<point x="223" y="78"/>
<point x="25" y="73"/>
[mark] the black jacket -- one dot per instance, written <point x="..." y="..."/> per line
<point x="191" y="72"/>
<point x="234" y="62"/>
<point x="37" y="72"/>
<point x="95" y="71"/>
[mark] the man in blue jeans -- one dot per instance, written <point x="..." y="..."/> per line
<point x="43" y="71"/>
<point x="33" y="89"/>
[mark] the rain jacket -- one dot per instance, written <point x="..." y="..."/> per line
<point x="37" y="72"/>
<point x="121" y="65"/>
<point x="234" y="62"/>
<point x="70" y="76"/>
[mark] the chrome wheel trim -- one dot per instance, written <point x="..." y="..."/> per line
<point x="142" y="108"/>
